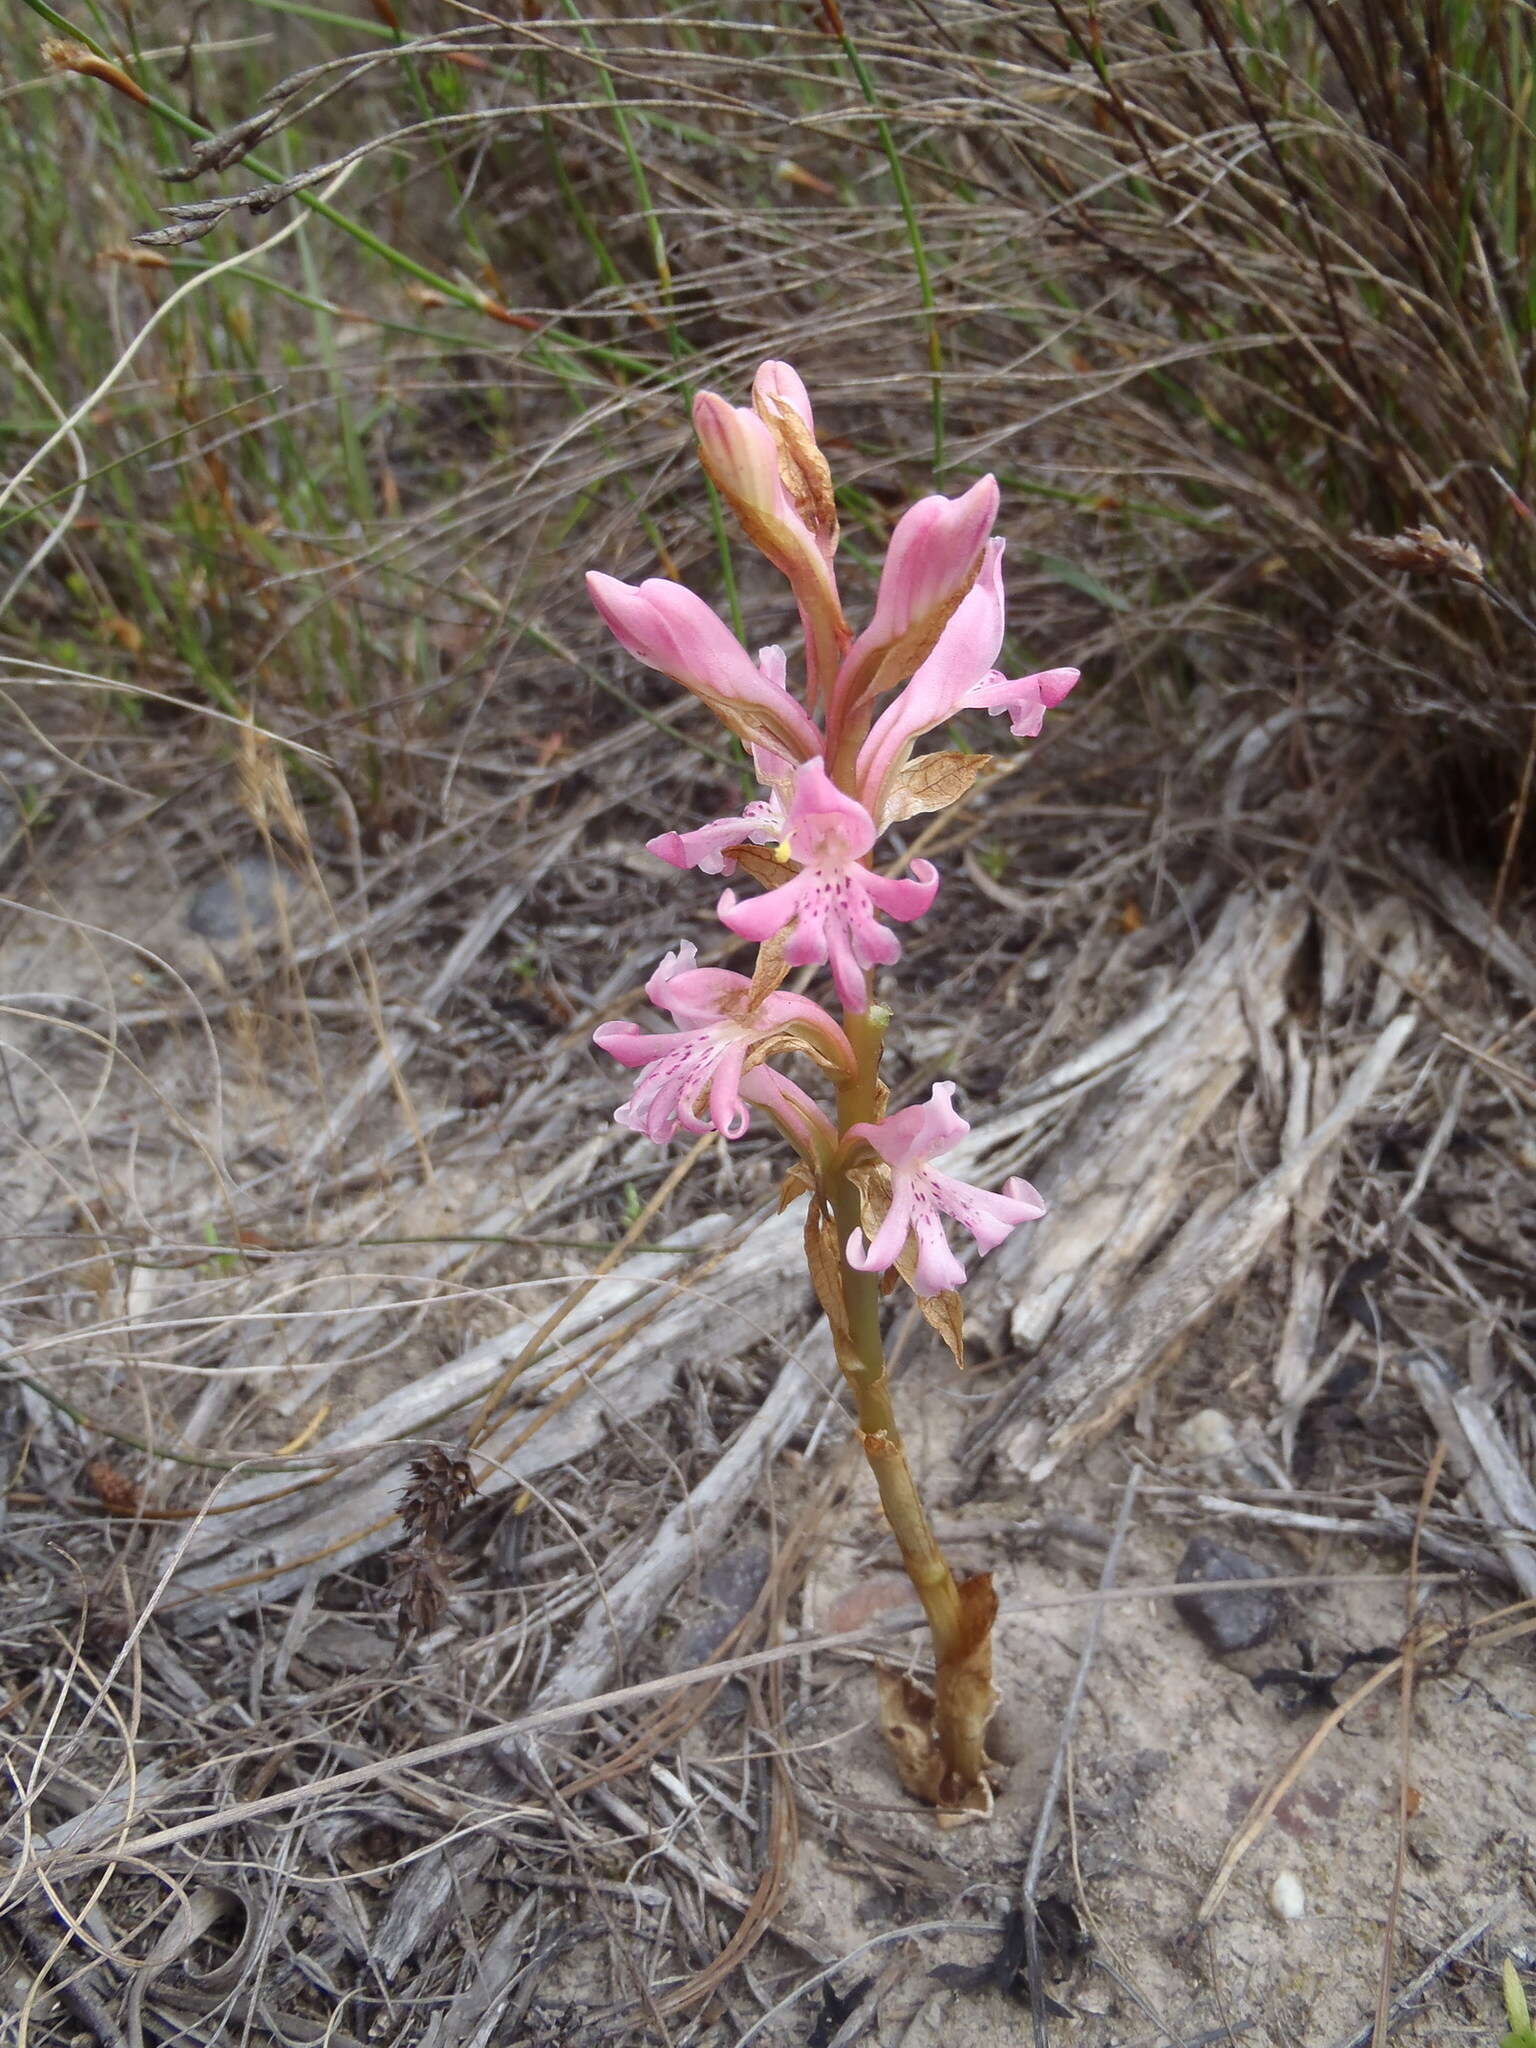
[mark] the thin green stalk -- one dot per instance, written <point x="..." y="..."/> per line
<point x="861" y="1356"/>
<point x="914" y="237"/>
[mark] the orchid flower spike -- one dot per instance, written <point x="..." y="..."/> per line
<point x="959" y="675"/>
<point x="695" y="1078"/>
<point x="920" y="1196"/>
<point x="765" y="462"/>
<point x="832" y="901"/>
<point x="669" y="628"/>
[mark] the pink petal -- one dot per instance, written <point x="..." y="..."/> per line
<point x="932" y="556"/>
<point x="937" y="1268"/>
<point x="683" y="961"/>
<point x="890" y="1239"/>
<point x="987" y="1216"/>
<point x="1026" y="699"/>
<point x="739" y="452"/>
<point x="672" y="629"/>
<point x="913" y="1136"/>
<point x="759" y="917"/>
<point x="806" y="1126"/>
<point x="727" y="1112"/>
<point x="962" y="659"/>
<point x="628" y="1043"/>
<point x="932" y="551"/>
<point x="904" y="897"/>
<point x="705" y="847"/>
<point x="823" y="823"/>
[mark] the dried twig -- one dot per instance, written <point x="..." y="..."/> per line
<point x="1037" y="1848"/>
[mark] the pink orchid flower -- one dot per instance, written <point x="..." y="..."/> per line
<point x="959" y="675"/>
<point x="669" y="628"/>
<point x="760" y="823"/>
<point x="807" y="1126"/>
<point x="832" y="901"/>
<point x="920" y="1196"/>
<point x="705" y="1060"/>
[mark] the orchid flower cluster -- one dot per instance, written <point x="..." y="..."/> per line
<point x="837" y="770"/>
<point x="838" y="767"/>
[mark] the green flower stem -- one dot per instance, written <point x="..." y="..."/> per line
<point x="863" y="1365"/>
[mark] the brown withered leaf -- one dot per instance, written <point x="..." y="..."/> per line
<point x="114" y="1489"/>
<point x="906" y="1722"/>
<point x="797" y="1182"/>
<point x="771" y="967"/>
<point x="760" y="864"/>
<point x="824" y="1259"/>
<point x="803" y="468"/>
<point x="908" y="1712"/>
<point x="420" y="1585"/>
<point x="965" y="1687"/>
<point x="932" y="783"/>
<point x="943" y="1313"/>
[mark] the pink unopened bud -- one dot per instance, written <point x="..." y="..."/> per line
<point x="932" y="559"/>
<point x="669" y="628"/>
<point x="767" y="466"/>
<point x="740" y="454"/>
<point x="776" y="385"/>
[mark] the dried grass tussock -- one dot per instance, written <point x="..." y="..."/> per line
<point x="439" y="1605"/>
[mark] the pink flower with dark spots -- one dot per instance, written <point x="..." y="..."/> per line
<point x="832" y="902"/>
<point x="960" y="674"/>
<point x="694" y="1078"/>
<point x="921" y="1196"/>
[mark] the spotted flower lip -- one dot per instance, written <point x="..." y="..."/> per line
<point x="959" y="675"/>
<point x="921" y="1196"/>
<point x="833" y="900"/>
<point x="695" y="1078"/>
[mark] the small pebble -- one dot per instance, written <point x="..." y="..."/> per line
<point x="1287" y="1900"/>
<point x="240" y="903"/>
<point x="1232" y="1619"/>
<point x="1207" y="1434"/>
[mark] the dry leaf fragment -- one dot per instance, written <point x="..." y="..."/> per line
<point x="114" y="1489"/>
<point x="62" y="55"/>
<point x="1423" y="551"/>
<point x="932" y="783"/>
<point x="943" y="1313"/>
<point x="824" y="1260"/>
<point x="762" y="865"/>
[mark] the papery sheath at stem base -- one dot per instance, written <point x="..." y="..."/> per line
<point x="937" y="1739"/>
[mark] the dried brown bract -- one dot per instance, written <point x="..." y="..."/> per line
<point x="420" y="1571"/>
<point x="420" y="1584"/>
<point x="438" y="1488"/>
<point x="1423" y="551"/>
